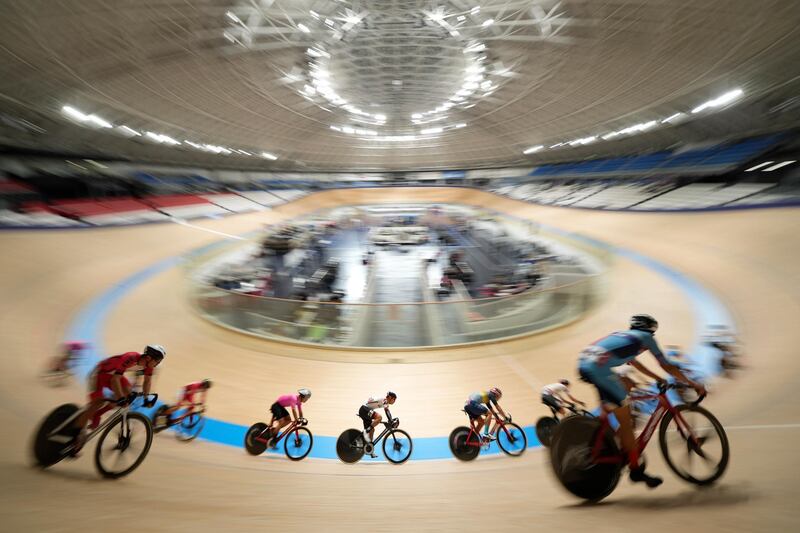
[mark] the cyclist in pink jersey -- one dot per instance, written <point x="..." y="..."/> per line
<point x="281" y="417"/>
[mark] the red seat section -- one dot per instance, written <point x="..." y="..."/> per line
<point x="84" y="207"/>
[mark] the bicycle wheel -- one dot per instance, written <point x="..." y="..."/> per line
<point x="461" y="447"/>
<point x="350" y="446"/>
<point x="397" y="446"/>
<point x="512" y="439"/>
<point x="697" y="448"/>
<point x="571" y="459"/>
<point x="253" y="446"/>
<point x="190" y="427"/>
<point x="544" y="429"/>
<point x="298" y="443"/>
<point x="123" y="445"/>
<point x="46" y="450"/>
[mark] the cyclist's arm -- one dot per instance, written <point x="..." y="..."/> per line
<point x="574" y="399"/>
<point x="671" y="369"/>
<point x="146" y="384"/>
<point x="294" y="412"/>
<point x="646" y="371"/>
<point x="503" y="413"/>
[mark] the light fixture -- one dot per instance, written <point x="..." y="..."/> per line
<point x="760" y="165"/>
<point x="130" y="132"/>
<point x="487" y="23"/>
<point x="431" y="131"/>
<point x="302" y="27"/>
<point x="719" y="101"/>
<point x="267" y="155"/>
<point x="533" y="149"/>
<point x="779" y="165"/>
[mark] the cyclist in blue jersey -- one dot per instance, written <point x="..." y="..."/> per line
<point x="595" y="364"/>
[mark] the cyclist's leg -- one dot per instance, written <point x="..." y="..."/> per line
<point x="376" y="420"/>
<point x="365" y="414"/>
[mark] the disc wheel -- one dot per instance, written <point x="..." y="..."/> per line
<point x="512" y="439"/>
<point x="397" y="446"/>
<point x="46" y="450"/>
<point x="350" y="446"/>
<point x="159" y="420"/>
<point x="544" y="429"/>
<point x="298" y="443"/>
<point x="571" y="459"/>
<point x="463" y="449"/>
<point x="696" y="446"/>
<point x="253" y="446"/>
<point x="190" y="427"/>
<point x="123" y="445"/>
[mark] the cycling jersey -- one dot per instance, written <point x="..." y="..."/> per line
<point x="119" y="364"/>
<point x="289" y="400"/>
<point x="376" y="402"/>
<point x="622" y="347"/>
<point x="554" y="389"/>
<point x="598" y="360"/>
<point x="482" y="398"/>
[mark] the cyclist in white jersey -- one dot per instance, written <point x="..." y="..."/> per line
<point x="370" y="418"/>
<point x="556" y="394"/>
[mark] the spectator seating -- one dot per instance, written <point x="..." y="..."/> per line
<point x="699" y="195"/>
<point x="233" y="202"/>
<point x="264" y="198"/>
<point x="184" y="206"/>
<point x="617" y="196"/>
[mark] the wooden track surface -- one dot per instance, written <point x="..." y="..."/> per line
<point x="748" y="258"/>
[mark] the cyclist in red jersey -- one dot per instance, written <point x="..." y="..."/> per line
<point x="187" y="398"/>
<point x="110" y="374"/>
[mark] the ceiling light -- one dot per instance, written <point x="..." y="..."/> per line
<point x="129" y="131"/>
<point x="487" y="23"/>
<point x="73" y="113"/>
<point x="302" y="27"/>
<point x="431" y="131"/>
<point x="233" y="17"/>
<point x="314" y="13"/>
<point x="611" y="135"/>
<point x="461" y="18"/>
<point x="761" y="165"/>
<point x="460" y="125"/>
<point x="533" y="149"/>
<point x="673" y="118"/>
<point x="380" y="117"/>
<point x="719" y="101"/>
<point x="455" y="33"/>
<point x="475" y="10"/>
<point x="583" y="140"/>
<point x="269" y="156"/>
<point x="348" y="129"/>
<point x="779" y="165"/>
<point x="416" y="115"/>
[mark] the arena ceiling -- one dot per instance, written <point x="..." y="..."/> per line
<point x="390" y="84"/>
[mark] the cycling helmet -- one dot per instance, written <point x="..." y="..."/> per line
<point x="497" y="393"/>
<point x="305" y="393"/>
<point x="391" y="394"/>
<point x="207" y="383"/>
<point x="644" y="323"/>
<point x="564" y="382"/>
<point x="155" y="351"/>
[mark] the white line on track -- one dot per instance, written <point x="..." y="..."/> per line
<point x="184" y="223"/>
<point x="521" y="371"/>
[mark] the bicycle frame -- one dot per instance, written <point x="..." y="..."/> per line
<point x="294" y="424"/>
<point x="121" y="412"/>
<point x="499" y="424"/>
<point x="187" y="412"/>
<point x="664" y="407"/>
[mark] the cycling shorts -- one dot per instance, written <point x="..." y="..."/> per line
<point x="365" y="414"/>
<point x="607" y="383"/>
<point x="98" y="382"/>
<point x="278" y="411"/>
<point x="475" y="409"/>
<point x="551" y="401"/>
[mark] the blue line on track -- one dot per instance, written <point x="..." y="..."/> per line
<point x="89" y="323"/>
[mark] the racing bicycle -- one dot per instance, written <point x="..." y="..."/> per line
<point x="124" y="438"/>
<point x="188" y="424"/>
<point x="466" y="442"/>
<point x="546" y="424"/>
<point x="397" y="444"/>
<point x="587" y="461"/>
<point x="297" y="439"/>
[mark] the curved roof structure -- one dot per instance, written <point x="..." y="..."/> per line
<point x="390" y="84"/>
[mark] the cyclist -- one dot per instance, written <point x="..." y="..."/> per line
<point x="595" y="364"/>
<point x="187" y="398"/>
<point x="110" y="374"/>
<point x="71" y="352"/>
<point x="281" y="417"/>
<point x="479" y="404"/>
<point x="370" y="418"/>
<point x="553" y="395"/>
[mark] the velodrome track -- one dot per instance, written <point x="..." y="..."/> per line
<point x="747" y="258"/>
